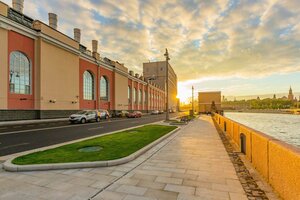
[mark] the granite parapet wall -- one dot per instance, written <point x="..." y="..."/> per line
<point x="277" y="161"/>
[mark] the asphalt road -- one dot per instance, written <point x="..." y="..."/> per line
<point x="18" y="138"/>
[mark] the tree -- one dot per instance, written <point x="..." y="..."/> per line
<point x="213" y="107"/>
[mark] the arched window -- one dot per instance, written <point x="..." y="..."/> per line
<point x="140" y="97"/>
<point x="88" y="86"/>
<point x="103" y="88"/>
<point x="19" y="73"/>
<point x="129" y="94"/>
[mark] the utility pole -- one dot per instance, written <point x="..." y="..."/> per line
<point x="167" y="84"/>
<point x="193" y="101"/>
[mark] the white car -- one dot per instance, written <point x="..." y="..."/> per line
<point x="155" y="112"/>
<point x="85" y="116"/>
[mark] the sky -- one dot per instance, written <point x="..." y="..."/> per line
<point x="239" y="47"/>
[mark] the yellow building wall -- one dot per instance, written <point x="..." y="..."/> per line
<point x="205" y="100"/>
<point x="121" y="92"/>
<point x="3" y="68"/>
<point x="3" y="9"/>
<point x="284" y="169"/>
<point x="208" y="97"/>
<point x="276" y="161"/>
<point x="59" y="78"/>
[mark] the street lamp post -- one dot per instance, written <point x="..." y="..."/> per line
<point x="192" y="100"/>
<point x="167" y="84"/>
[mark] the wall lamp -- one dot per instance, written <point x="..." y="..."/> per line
<point x="52" y="101"/>
<point x="74" y="102"/>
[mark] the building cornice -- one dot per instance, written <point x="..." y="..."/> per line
<point x="8" y="24"/>
<point x="11" y="25"/>
<point x="92" y="60"/>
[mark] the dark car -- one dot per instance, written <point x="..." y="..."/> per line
<point x="85" y="116"/>
<point x="122" y="113"/>
<point x="104" y="114"/>
<point x="134" y="114"/>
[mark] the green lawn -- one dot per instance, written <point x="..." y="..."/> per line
<point x="114" y="146"/>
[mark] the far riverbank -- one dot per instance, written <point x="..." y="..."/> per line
<point x="283" y="127"/>
<point x="289" y="111"/>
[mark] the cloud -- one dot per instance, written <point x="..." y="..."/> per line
<point x="206" y="39"/>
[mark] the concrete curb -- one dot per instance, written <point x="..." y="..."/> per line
<point x="9" y="166"/>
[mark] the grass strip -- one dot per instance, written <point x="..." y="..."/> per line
<point x="114" y="146"/>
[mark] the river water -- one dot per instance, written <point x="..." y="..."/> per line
<point x="284" y="127"/>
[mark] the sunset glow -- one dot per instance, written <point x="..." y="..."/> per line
<point x="243" y="43"/>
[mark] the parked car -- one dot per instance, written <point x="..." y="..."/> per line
<point x="104" y="114"/>
<point x="161" y="112"/>
<point x="155" y="112"/>
<point x="134" y="114"/>
<point x="122" y="113"/>
<point x="172" y="110"/>
<point x="85" y="116"/>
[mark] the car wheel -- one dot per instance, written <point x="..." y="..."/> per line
<point x="83" y="121"/>
<point x="98" y="119"/>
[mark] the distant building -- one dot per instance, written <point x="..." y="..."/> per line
<point x="274" y="96"/>
<point x="208" y="100"/>
<point x="291" y="95"/>
<point x="156" y="73"/>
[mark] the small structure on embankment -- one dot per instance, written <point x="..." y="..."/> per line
<point x="277" y="161"/>
<point x="209" y="102"/>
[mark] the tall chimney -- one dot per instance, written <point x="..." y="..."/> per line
<point x="77" y="34"/>
<point x="52" y="20"/>
<point x="95" y="46"/>
<point x="18" y="5"/>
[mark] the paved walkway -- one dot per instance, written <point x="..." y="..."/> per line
<point x="190" y="165"/>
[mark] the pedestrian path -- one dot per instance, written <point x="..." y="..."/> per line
<point x="194" y="165"/>
<point x="190" y="165"/>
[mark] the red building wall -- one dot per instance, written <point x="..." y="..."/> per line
<point x="88" y="66"/>
<point x="21" y="43"/>
<point x="110" y="76"/>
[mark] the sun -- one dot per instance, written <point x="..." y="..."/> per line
<point x="184" y="94"/>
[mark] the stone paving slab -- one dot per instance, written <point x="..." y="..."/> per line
<point x="191" y="164"/>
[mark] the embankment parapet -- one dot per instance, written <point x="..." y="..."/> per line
<point x="277" y="161"/>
